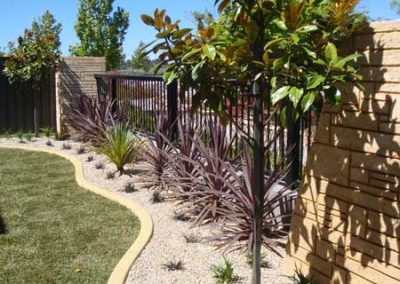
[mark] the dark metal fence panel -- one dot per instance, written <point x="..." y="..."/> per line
<point x="145" y="96"/>
<point x="16" y="103"/>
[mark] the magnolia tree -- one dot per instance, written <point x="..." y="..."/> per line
<point x="286" y="50"/>
<point x="36" y="53"/>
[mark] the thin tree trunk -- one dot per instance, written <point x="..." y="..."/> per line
<point x="258" y="182"/>
<point x="259" y="91"/>
<point x="35" y="112"/>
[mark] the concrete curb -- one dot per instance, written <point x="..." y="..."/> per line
<point x="121" y="270"/>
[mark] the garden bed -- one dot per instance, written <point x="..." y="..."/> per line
<point x="173" y="240"/>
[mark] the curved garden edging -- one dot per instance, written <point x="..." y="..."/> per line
<point x="121" y="270"/>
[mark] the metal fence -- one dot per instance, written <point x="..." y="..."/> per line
<point x="145" y="96"/>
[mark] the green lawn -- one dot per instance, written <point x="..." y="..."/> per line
<point x="53" y="231"/>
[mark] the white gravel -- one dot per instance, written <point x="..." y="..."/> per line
<point x="168" y="242"/>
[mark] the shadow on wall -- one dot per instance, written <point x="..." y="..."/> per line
<point x="70" y="89"/>
<point x="346" y="227"/>
<point x="3" y="228"/>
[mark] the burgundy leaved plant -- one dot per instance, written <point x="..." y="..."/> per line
<point x="91" y="118"/>
<point x="158" y="149"/>
<point x="237" y="208"/>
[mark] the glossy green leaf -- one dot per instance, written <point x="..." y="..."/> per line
<point x="308" y="100"/>
<point x="314" y="81"/>
<point x="330" y="52"/>
<point x="210" y="51"/>
<point x="295" y="95"/>
<point x="280" y="94"/>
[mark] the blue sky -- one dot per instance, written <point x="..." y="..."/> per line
<point x="18" y="15"/>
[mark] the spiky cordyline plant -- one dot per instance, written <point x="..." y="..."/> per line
<point x="209" y="174"/>
<point x="91" y="118"/>
<point x="181" y="175"/>
<point x="158" y="149"/>
<point x="237" y="208"/>
<point x="121" y="146"/>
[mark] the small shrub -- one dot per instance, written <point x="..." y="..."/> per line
<point x="191" y="238"/>
<point x="49" y="143"/>
<point x="28" y="136"/>
<point x="223" y="274"/>
<point x="66" y="146"/>
<point x="110" y="175"/>
<point x="47" y="131"/>
<point x="99" y="165"/>
<point x="129" y="187"/>
<point x="90" y="159"/>
<point x="121" y="147"/>
<point x="264" y="263"/>
<point x="174" y="265"/>
<point x="156" y="197"/>
<point x="181" y="217"/>
<point x="81" y="150"/>
<point x="20" y="136"/>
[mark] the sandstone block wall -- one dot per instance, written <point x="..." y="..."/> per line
<point x="346" y="225"/>
<point x="75" y="78"/>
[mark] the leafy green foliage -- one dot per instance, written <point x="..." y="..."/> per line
<point x="47" y="131"/>
<point x="28" y="136"/>
<point x="223" y="274"/>
<point x="20" y="136"/>
<point x="121" y="146"/>
<point x="38" y="51"/>
<point x="140" y="60"/>
<point x="298" y="60"/>
<point x="101" y="31"/>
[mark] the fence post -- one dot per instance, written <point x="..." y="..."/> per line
<point x="172" y="104"/>
<point x="114" y="95"/>
<point x="293" y="157"/>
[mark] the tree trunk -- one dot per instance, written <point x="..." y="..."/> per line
<point x="259" y="92"/>
<point x="258" y="180"/>
<point x="36" y="112"/>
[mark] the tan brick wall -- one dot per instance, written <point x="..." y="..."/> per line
<point x="75" y="78"/>
<point x="346" y="224"/>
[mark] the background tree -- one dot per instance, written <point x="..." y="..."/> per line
<point x="285" y="50"/>
<point x="36" y="53"/>
<point x="140" y="60"/>
<point x="101" y="31"/>
<point x="395" y="4"/>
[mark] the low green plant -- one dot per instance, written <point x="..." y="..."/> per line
<point x="264" y="263"/>
<point x="81" y="150"/>
<point x="29" y="136"/>
<point x="20" y="136"/>
<point x="299" y="277"/>
<point x="99" y="165"/>
<point x="47" y="131"/>
<point x="174" y="265"/>
<point x="110" y="175"/>
<point x="191" y="238"/>
<point x="157" y="197"/>
<point x="223" y="274"/>
<point x="129" y="187"/>
<point x="121" y="146"/>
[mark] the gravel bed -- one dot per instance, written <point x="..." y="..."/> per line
<point x="168" y="242"/>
